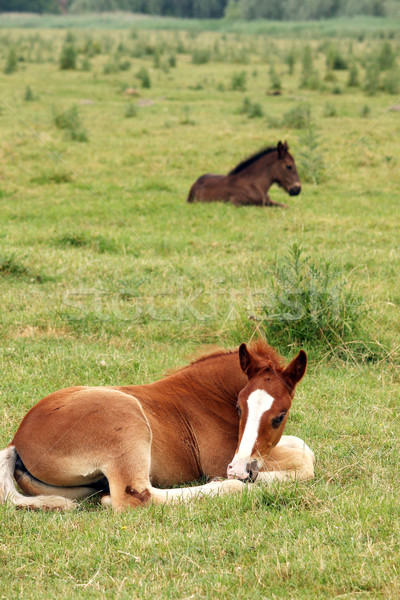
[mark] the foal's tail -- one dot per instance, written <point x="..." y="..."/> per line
<point x="8" y="491"/>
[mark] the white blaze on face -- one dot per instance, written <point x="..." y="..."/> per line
<point x="258" y="403"/>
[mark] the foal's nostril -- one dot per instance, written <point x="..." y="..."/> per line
<point x="253" y="470"/>
<point x="295" y="190"/>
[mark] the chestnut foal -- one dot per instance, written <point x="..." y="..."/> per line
<point x="222" y="415"/>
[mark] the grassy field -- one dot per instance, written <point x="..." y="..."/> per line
<point x="108" y="277"/>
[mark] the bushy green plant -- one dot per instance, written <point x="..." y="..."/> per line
<point x="244" y="109"/>
<point x="70" y="121"/>
<point x="387" y="57"/>
<point x="12" y="61"/>
<point x="290" y="59"/>
<point x="297" y="117"/>
<point x="131" y="110"/>
<point x="144" y="77"/>
<point x="186" y="115"/>
<point x="335" y="60"/>
<point x="330" y="110"/>
<point x="372" y="79"/>
<point x="337" y="89"/>
<point x="309" y="158"/>
<point x="391" y="81"/>
<point x="275" y="80"/>
<point x="239" y="81"/>
<point x="29" y="95"/>
<point x="86" y="64"/>
<point x="11" y="266"/>
<point x="365" y="111"/>
<point x="330" y="77"/>
<point x="311" y="302"/>
<point x="201" y="56"/>
<point x="309" y="76"/>
<point x="110" y="67"/>
<point x="124" y="65"/>
<point x="353" y="80"/>
<point x="68" y="56"/>
<point x="156" y="60"/>
<point x="253" y="110"/>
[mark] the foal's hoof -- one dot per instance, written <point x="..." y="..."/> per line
<point x="106" y="501"/>
<point x="232" y="485"/>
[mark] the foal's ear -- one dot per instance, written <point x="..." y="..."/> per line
<point x="282" y="149"/>
<point x="286" y="146"/>
<point x="295" y="370"/>
<point x="247" y="360"/>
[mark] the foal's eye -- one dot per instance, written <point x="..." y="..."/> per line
<point x="289" y="167"/>
<point x="278" y="420"/>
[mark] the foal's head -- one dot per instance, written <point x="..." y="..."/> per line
<point x="263" y="407"/>
<point x="285" y="172"/>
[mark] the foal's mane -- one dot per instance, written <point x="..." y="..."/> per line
<point x="252" y="159"/>
<point x="268" y="355"/>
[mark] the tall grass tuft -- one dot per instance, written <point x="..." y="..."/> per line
<point x="311" y="303"/>
<point x="201" y="56"/>
<point x="290" y="59"/>
<point x="309" y="76"/>
<point x="70" y="121"/>
<point x="391" y="81"/>
<point x="275" y="80"/>
<point x="353" y="80"/>
<point x="130" y="110"/>
<point x="29" y="96"/>
<point x="372" y="79"/>
<point x="12" y="62"/>
<point x="239" y="81"/>
<point x="10" y="266"/>
<point x="253" y="110"/>
<point x="309" y="159"/>
<point x="298" y="117"/>
<point x="144" y="77"/>
<point x="68" y="56"/>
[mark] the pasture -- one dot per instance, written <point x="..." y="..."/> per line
<point x="108" y="277"/>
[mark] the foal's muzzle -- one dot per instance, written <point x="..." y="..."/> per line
<point x="246" y="473"/>
<point x="295" y="190"/>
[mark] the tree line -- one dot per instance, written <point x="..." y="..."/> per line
<point x="215" y="9"/>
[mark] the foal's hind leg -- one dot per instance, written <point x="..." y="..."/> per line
<point x="128" y="472"/>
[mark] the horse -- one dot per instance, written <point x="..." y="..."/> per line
<point x="223" y="415"/>
<point x="249" y="182"/>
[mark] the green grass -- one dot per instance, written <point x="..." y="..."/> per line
<point x="108" y="277"/>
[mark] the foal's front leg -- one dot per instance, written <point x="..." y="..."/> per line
<point x="245" y="195"/>
<point x="267" y="201"/>
<point x="291" y="459"/>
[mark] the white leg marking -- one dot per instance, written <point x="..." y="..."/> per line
<point x="160" y="496"/>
